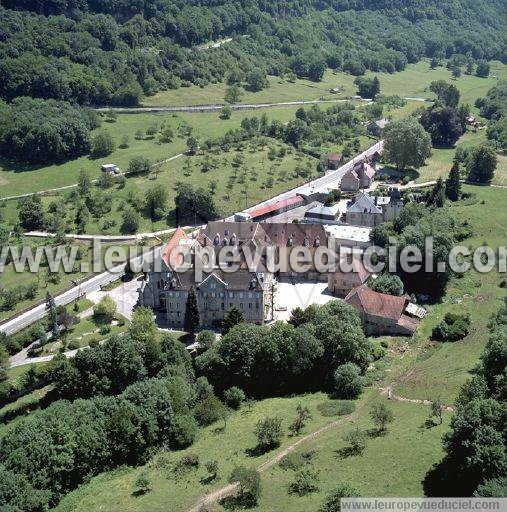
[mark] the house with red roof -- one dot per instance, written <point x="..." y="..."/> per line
<point x="383" y="314"/>
<point x="360" y="176"/>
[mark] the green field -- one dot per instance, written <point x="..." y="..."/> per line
<point x="441" y="159"/>
<point x="17" y="179"/>
<point x="258" y="178"/>
<point x="429" y="369"/>
<point x="411" y="82"/>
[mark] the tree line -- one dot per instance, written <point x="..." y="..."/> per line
<point x="114" y="52"/>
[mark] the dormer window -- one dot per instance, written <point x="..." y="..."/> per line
<point x="306" y="242"/>
<point x="216" y="241"/>
<point x="317" y="242"/>
<point x="290" y="241"/>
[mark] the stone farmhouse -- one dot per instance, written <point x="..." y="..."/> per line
<point x="384" y="314"/>
<point x="366" y="210"/>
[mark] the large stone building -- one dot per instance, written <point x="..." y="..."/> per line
<point x="166" y="286"/>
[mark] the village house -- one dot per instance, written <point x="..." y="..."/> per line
<point x="384" y="314"/>
<point x="334" y="161"/>
<point x="360" y="176"/>
<point x="366" y="210"/>
<point x="376" y="128"/>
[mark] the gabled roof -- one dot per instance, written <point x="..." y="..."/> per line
<point x="273" y="207"/>
<point x="358" y="271"/>
<point x="364" y="204"/>
<point x="350" y="175"/>
<point x="378" y="304"/>
<point x="368" y="170"/>
<point x="175" y="240"/>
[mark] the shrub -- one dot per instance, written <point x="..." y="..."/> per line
<point x="356" y="439"/>
<point x="233" y="397"/>
<point x="296" y="460"/>
<point x="332" y="501"/>
<point x="305" y="482"/>
<point x="454" y="327"/>
<point x="208" y="410"/>
<point x="105" y="309"/>
<point x="348" y="382"/>
<point x="269" y="433"/>
<point x="249" y="482"/>
<point x="183" y="431"/>
<point x="142" y="484"/>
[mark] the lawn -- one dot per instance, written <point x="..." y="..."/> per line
<point x="428" y="370"/>
<point x="18" y="179"/>
<point x="386" y="468"/>
<point x="441" y="159"/>
<point x="411" y="82"/>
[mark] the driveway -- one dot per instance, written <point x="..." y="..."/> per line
<point x="294" y="295"/>
<point x="125" y="295"/>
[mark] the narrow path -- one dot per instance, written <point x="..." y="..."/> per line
<point x="214" y="496"/>
<point x="388" y="391"/>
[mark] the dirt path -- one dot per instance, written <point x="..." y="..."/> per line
<point x="388" y="391"/>
<point x="214" y="496"/>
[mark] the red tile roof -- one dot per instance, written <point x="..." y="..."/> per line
<point x="273" y="207"/>
<point x="177" y="237"/>
<point x="378" y="304"/>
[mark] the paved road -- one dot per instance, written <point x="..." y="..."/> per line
<point x="328" y="181"/>
<point x="217" y="106"/>
<point x="91" y="285"/>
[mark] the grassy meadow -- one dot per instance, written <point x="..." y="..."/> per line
<point x="411" y="82"/>
<point x="431" y="369"/>
<point x="18" y="179"/>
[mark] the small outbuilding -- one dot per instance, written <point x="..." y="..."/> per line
<point x="110" y="168"/>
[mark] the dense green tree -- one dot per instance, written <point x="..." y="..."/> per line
<point x="233" y="317"/>
<point x="102" y="144"/>
<point x="143" y="327"/>
<point x="436" y="196"/>
<point x="249" y="481"/>
<point x="453" y="184"/>
<point x="387" y="283"/>
<point x="131" y="221"/>
<point x="447" y="94"/>
<point x="332" y="503"/>
<point x="482" y="68"/>
<point x="192" y="317"/>
<point x="256" y="80"/>
<point x="43" y="131"/>
<point x="31" y="213"/>
<point x="195" y="203"/>
<point x="481" y="164"/>
<point x="443" y="125"/>
<point x="406" y="144"/>
<point x="156" y="201"/>
<point x="367" y="87"/>
<point x="269" y="433"/>
<point x="348" y="382"/>
<point x="139" y="165"/>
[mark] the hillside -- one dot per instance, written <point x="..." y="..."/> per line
<point x="95" y="52"/>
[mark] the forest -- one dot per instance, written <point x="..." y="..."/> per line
<point x="113" y="52"/>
